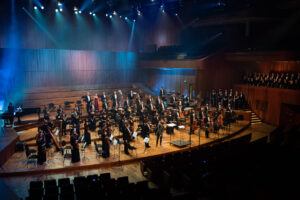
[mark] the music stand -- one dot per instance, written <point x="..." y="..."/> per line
<point x="134" y="135"/>
<point x="171" y="125"/>
<point x="83" y="151"/>
<point x="146" y="140"/>
<point x="115" y="142"/>
<point x="180" y="143"/>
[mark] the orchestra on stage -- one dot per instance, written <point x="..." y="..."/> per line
<point x="134" y="113"/>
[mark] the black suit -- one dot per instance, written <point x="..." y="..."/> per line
<point x="88" y="101"/>
<point x="126" y="138"/>
<point x="159" y="133"/>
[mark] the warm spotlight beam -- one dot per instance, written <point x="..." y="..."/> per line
<point x="131" y="36"/>
<point x="41" y="27"/>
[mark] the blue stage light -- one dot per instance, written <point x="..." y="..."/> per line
<point x="91" y="13"/>
<point x="59" y="4"/>
<point x="79" y="11"/>
<point x="76" y="12"/>
<point x="35" y="7"/>
<point x="110" y="16"/>
<point x="126" y="18"/>
<point x="139" y="13"/>
<point x="94" y="14"/>
<point x="106" y="15"/>
<point x="56" y="10"/>
<point x="176" y="14"/>
<point x="75" y="8"/>
<point x="114" y="13"/>
<point x="42" y="7"/>
<point x="120" y="16"/>
<point x="61" y="10"/>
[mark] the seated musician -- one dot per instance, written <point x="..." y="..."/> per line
<point x="105" y="105"/>
<point x="162" y="92"/>
<point x="41" y="143"/>
<point x="173" y="100"/>
<point x="59" y="110"/>
<point x="87" y="135"/>
<point x="105" y="141"/>
<point x="149" y="100"/>
<point x="126" y="103"/>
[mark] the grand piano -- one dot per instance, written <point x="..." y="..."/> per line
<point x="20" y="113"/>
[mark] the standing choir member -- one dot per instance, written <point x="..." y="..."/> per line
<point x="88" y="101"/>
<point x="96" y="103"/>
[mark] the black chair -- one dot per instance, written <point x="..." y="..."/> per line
<point x="36" y="184"/>
<point x="67" y="104"/>
<point x="63" y="182"/>
<point x="92" y="178"/>
<point x="31" y="157"/>
<point x="122" y="181"/>
<point x="49" y="183"/>
<point x="67" y="192"/>
<point x="105" y="177"/>
<point x="31" y="151"/>
<point x="98" y="152"/>
<point x="51" y="191"/>
<point x="35" y="193"/>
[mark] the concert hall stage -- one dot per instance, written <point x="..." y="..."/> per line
<point x="17" y="166"/>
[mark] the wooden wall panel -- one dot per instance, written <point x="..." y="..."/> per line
<point x="267" y="102"/>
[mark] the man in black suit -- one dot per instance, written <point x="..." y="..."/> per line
<point x="145" y="132"/>
<point x="192" y="119"/>
<point x="103" y="96"/>
<point x="115" y="99"/>
<point x="88" y="101"/>
<point x="11" y="110"/>
<point x="159" y="132"/>
<point x="162" y="92"/>
<point x="126" y="138"/>
<point x="130" y="97"/>
<point x="105" y="105"/>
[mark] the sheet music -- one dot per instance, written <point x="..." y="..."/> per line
<point x="171" y="125"/>
<point x="111" y="137"/>
<point x="115" y="142"/>
<point x="181" y="127"/>
<point x="134" y="134"/>
<point x="146" y="140"/>
<point x="56" y="132"/>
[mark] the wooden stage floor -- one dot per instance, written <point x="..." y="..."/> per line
<point x="16" y="165"/>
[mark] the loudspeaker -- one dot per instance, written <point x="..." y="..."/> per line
<point x="20" y="146"/>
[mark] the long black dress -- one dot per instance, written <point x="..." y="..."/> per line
<point x="105" y="144"/>
<point x="75" y="149"/>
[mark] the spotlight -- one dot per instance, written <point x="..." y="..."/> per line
<point x="110" y="16"/>
<point x="134" y="20"/>
<point x="176" y="14"/>
<point x="120" y="16"/>
<point x="114" y="13"/>
<point x="126" y="18"/>
<point x="91" y="13"/>
<point x="35" y="7"/>
<point x="76" y="12"/>
<point x="75" y="8"/>
<point x="163" y="10"/>
<point x="56" y="10"/>
<point x="161" y="6"/>
<point x="42" y="7"/>
<point x="59" y="4"/>
<point x="79" y="11"/>
<point x="139" y="13"/>
<point x="94" y="14"/>
<point x="61" y="10"/>
<point x="106" y="15"/>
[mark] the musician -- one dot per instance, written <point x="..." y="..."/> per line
<point x="173" y="99"/>
<point x="87" y="135"/>
<point x="220" y="107"/>
<point x="159" y="132"/>
<point x="126" y="138"/>
<point x="46" y="113"/>
<point x="88" y="101"/>
<point x="11" y="111"/>
<point x="206" y="108"/>
<point x="140" y="109"/>
<point x="192" y="119"/>
<point x="103" y="96"/>
<point x="105" y="105"/>
<point x="213" y="98"/>
<point x="64" y="125"/>
<point x="41" y="143"/>
<point x="92" y="123"/>
<point x="225" y="99"/>
<point x="115" y="99"/>
<point x="96" y="103"/>
<point x="59" y="110"/>
<point x="145" y="132"/>
<point x="74" y="146"/>
<point x="161" y="108"/>
<point x="149" y="100"/>
<point x="169" y="117"/>
<point x="236" y="100"/>
<point x="130" y="97"/>
<point x="127" y="103"/>
<point x="105" y="141"/>
<point x="162" y="92"/>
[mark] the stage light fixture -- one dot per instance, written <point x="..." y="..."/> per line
<point x="110" y="16"/>
<point x="76" y="12"/>
<point x="56" y="10"/>
<point x="126" y="18"/>
<point x="61" y="10"/>
<point x="94" y="14"/>
<point x="79" y="12"/>
<point x="91" y="13"/>
<point x="120" y="16"/>
<point x="114" y="13"/>
<point x="59" y="4"/>
<point x="161" y="6"/>
<point x="163" y="10"/>
<point x="75" y="8"/>
<point x="35" y="7"/>
<point x="139" y="13"/>
<point x="42" y="7"/>
<point x="134" y="20"/>
<point x="176" y="14"/>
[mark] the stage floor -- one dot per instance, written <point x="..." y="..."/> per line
<point x="17" y="164"/>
